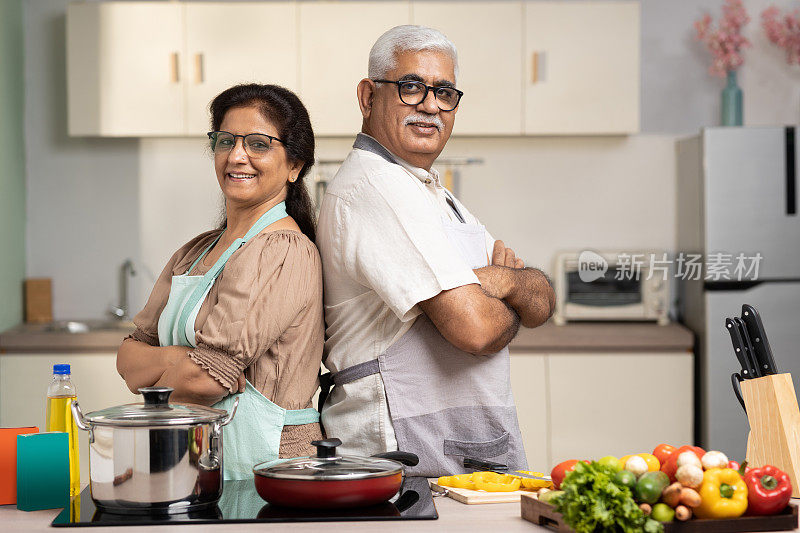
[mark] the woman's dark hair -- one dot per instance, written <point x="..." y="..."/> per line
<point x="288" y="114"/>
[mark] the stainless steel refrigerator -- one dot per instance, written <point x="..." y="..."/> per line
<point x="737" y="194"/>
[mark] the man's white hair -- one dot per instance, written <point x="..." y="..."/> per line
<point x="407" y="38"/>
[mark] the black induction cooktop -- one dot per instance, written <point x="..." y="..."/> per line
<point x="241" y="503"/>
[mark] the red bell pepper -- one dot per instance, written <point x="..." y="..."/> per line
<point x="671" y="466"/>
<point x="768" y="490"/>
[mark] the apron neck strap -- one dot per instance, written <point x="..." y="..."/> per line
<point x="274" y="214"/>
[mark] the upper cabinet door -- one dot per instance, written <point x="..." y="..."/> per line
<point x="582" y="67"/>
<point x="335" y="40"/>
<point x="232" y="43"/>
<point x="488" y="37"/>
<point x="123" y="67"/>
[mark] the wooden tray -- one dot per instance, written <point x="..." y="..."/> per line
<point x="545" y="515"/>
<point x="472" y="497"/>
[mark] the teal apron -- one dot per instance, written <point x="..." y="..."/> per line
<point x="254" y="434"/>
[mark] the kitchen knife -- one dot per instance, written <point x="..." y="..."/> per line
<point x="755" y="371"/>
<point x="498" y="468"/>
<point x="761" y="348"/>
<point x="738" y="348"/>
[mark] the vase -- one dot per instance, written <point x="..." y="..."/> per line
<point x="731" y="102"/>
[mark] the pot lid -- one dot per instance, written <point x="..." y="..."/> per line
<point x="155" y="411"/>
<point x="327" y="465"/>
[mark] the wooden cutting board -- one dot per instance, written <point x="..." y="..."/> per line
<point x="472" y="497"/>
<point x="545" y="515"/>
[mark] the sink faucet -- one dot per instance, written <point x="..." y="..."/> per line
<point x="120" y="311"/>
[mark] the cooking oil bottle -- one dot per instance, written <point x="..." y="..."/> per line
<point x="60" y="394"/>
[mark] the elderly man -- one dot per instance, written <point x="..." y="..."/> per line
<point x="420" y="302"/>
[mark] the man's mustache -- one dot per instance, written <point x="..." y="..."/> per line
<point x="427" y="119"/>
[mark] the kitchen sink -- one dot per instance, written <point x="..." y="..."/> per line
<point x="86" y="326"/>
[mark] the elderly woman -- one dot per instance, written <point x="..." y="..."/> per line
<point x="239" y="309"/>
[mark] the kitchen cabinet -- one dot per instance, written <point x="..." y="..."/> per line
<point x="124" y="68"/>
<point x="489" y="75"/>
<point x="263" y="49"/>
<point x="575" y="405"/>
<point x="619" y="403"/>
<point x="529" y="384"/>
<point x="334" y="50"/>
<point x="24" y="378"/>
<point x="527" y="67"/>
<point x="151" y="69"/>
<point x="581" y="65"/>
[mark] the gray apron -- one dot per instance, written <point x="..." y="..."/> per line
<point x="445" y="404"/>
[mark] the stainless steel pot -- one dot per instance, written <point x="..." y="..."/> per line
<point x="155" y="457"/>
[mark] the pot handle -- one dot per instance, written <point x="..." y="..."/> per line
<point x="407" y="458"/>
<point x="227" y="419"/>
<point x="77" y="414"/>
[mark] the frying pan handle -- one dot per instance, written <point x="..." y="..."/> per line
<point x="406" y="500"/>
<point x="407" y="458"/>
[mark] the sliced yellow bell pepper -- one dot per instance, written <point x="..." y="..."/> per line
<point x="493" y="482"/>
<point x="534" y="483"/>
<point x="486" y="481"/>
<point x="462" y="481"/>
<point x="723" y="494"/>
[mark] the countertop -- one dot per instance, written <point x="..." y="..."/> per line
<point x="453" y="516"/>
<point x="40" y="338"/>
<point x="575" y="337"/>
<point x="604" y="337"/>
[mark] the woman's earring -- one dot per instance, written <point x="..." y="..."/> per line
<point x="293" y="179"/>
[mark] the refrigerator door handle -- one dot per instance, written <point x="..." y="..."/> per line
<point x="791" y="172"/>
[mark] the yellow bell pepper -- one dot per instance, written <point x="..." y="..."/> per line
<point x="652" y="461"/>
<point x="462" y="481"/>
<point x="723" y="494"/>
<point x="534" y="483"/>
<point x="493" y="482"/>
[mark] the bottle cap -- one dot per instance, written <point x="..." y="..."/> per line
<point x="61" y="369"/>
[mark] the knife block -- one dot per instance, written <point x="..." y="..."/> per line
<point x="774" y="424"/>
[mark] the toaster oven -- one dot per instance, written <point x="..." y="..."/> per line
<point x="611" y="285"/>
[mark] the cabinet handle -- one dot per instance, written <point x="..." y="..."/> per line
<point x="538" y="63"/>
<point x="199" y="67"/>
<point x="176" y="70"/>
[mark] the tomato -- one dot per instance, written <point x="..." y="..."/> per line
<point x="736" y="466"/>
<point x="653" y="464"/>
<point x="663" y="451"/>
<point x="560" y="471"/>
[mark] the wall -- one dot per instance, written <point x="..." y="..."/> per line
<point x="12" y="165"/>
<point x="83" y="201"/>
<point x="94" y="202"/>
<point x="678" y="94"/>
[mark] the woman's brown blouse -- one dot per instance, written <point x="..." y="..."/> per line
<point x="263" y="315"/>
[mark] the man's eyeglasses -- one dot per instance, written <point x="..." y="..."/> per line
<point x="256" y="145"/>
<point x="415" y="92"/>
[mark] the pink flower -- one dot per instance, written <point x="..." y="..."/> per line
<point x="726" y="42"/>
<point x="783" y="33"/>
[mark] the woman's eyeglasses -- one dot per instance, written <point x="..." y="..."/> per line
<point x="256" y="145"/>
